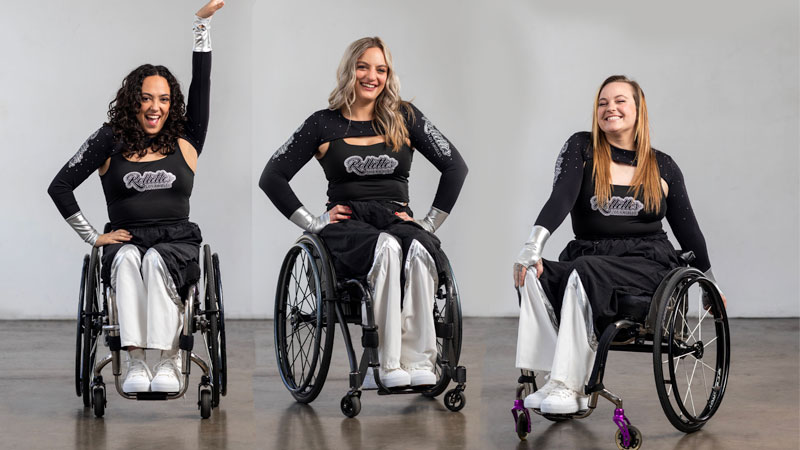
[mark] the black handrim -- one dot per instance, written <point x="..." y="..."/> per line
<point x="447" y="311"/>
<point x="89" y="329"/>
<point x="79" y="333"/>
<point x="689" y="389"/>
<point x="223" y="372"/>
<point x="303" y="335"/>
<point x="212" y="316"/>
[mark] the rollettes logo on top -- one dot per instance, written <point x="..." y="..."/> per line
<point x="371" y="165"/>
<point x="149" y="181"/>
<point x="618" y="206"/>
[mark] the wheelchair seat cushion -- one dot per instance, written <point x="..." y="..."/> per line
<point x="633" y="307"/>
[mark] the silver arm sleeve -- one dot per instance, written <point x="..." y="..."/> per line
<point x="433" y="220"/>
<point x="202" y="34"/>
<point x="307" y="221"/>
<point x="531" y="252"/>
<point x="84" y="229"/>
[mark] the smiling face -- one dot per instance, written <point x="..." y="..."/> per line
<point x="616" y="110"/>
<point x="155" y="103"/>
<point x="371" y="73"/>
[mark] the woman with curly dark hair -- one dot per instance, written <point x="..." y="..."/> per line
<point x="146" y="156"/>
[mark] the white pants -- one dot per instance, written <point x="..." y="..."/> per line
<point x="148" y="305"/>
<point x="407" y="336"/>
<point x="568" y="349"/>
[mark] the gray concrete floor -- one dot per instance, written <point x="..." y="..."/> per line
<point x="39" y="408"/>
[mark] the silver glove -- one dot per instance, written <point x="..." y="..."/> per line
<point x="433" y="220"/>
<point x="531" y="253"/>
<point x="202" y="34"/>
<point x="84" y="229"/>
<point x="307" y="221"/>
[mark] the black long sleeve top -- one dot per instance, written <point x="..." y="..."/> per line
<point x="573" y="193"/>
<point x="102" y="145"/>
<point x="327" y="125"/>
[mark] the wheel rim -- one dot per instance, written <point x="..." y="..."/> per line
<point x="694" y="369"/>
<point x="300" y="329"/>
<point x="446" y="310"/>
<point x="90" y="328"/>
<point x="223" y="357"/>
<point x="79" y="339"/>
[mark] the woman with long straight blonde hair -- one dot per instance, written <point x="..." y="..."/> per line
<point x="364" y="142"/>
<point x="617" y="188"/>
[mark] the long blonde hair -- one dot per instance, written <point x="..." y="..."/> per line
<point x="646" y="178"/>
<point x="388" y="119"/>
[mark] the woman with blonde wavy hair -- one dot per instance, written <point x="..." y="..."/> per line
<point x="364" y="142"/>
<point x="617" y="188"/>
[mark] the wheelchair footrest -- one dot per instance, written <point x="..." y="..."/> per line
<point x="444" y="330"/>
<point x="151" y="395"/>
<point x="369" y="337"/>
<point x="460" y="374"/>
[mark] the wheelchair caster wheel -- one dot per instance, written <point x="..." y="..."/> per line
<point x="99" y="401"/>
<point x="522" y="427"/>
<point x="454" y="400"/>
<point x="636" y="438"/>
<point x="205" y="404"/>
<point x="351" y="405"/>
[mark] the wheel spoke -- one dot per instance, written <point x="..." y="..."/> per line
<point x="709" y="342"/>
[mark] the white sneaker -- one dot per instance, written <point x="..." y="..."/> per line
<point x="422" y="377"/>
<point x="137" y="378"/>
<point x="395" y="378"/>
<point x="564" y="400"/>
<point x="535" y="400"/>
<point x="168" y="375"/>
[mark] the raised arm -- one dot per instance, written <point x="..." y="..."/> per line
<point x="90" y="156"/>
<point x="437" y="149"/>
<point x="197" y="105"/>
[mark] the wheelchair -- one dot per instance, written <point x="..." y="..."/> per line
<point x="310" y="301"/>
<point x="97" y="314"/>
<point x="690" y="343"/>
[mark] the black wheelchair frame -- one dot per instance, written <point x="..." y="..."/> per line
<point x="310" y="301"/>
<point x="97" y="314"/>
<point x="662" y="326"/>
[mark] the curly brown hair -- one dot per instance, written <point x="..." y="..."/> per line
<point x="123" y="109"/>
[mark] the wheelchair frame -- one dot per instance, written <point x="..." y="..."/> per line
<point x="308" y="270"/>
<point x="667" y="318"/>
<point x="97" y="313"/>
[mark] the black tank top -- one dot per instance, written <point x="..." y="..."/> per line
<point x="366" y="172"/>
<point x="623" y="216"/>
<point x="148" y="193"/>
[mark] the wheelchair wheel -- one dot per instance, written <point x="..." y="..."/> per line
<point x="88" y="327"/>
<point x="303" y="330"/>
<point x="691" y="363"/>
<point x="99" y="401"/>
<point x="215" y="339"/>
<point x="447" y="317"/>
<point x="223" y="367"/>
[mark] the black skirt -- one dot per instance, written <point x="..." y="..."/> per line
<point x="609" y="268"/>
<point x="352" y="242"/>
<point x="178" y="245"/>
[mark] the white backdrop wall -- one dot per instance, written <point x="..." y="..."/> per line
<point x="507" y="81"/>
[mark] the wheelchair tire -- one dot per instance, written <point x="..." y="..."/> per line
<point x="205" y="403"/>
<point x="691" y="374"/>
<point x="88" y="328"/>
<point x="522" y="426"/>
<point x="636" y="439"/>
<point x="213" y="315"/>
<point x="303" y="329"/>
<point x="99" y="401"/>
<point x="350" y="405"/>
<point x="223" y="348"/>
<point x="447" y="311"/>
<point x="79" y="333"/>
